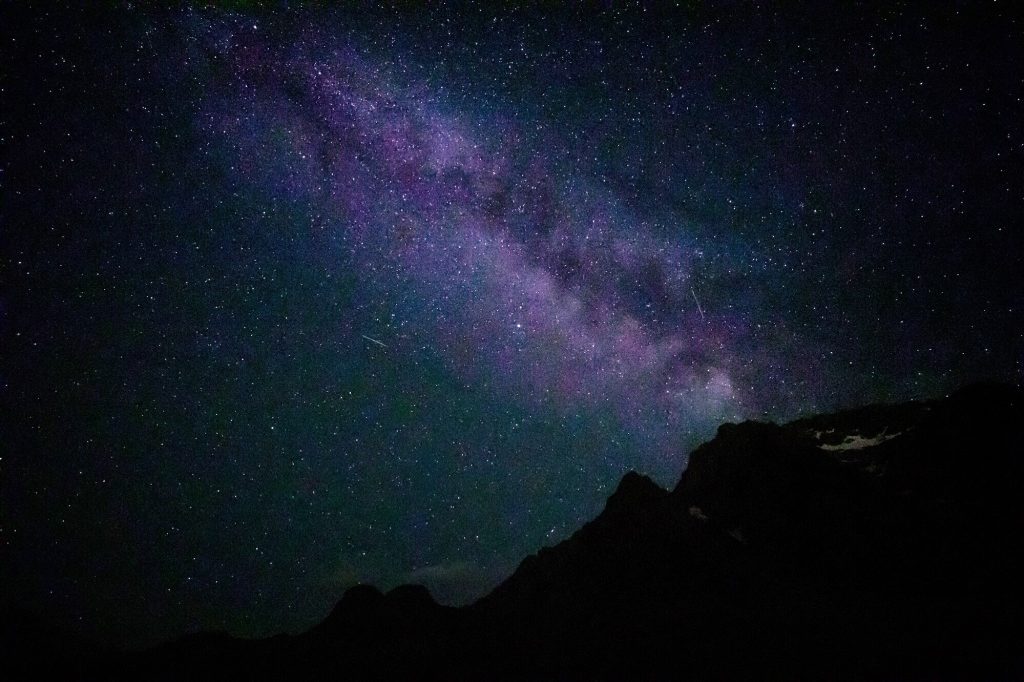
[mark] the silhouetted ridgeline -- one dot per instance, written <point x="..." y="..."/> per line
<point x="880" y="543"/>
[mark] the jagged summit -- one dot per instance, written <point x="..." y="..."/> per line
<point x="365" y="606"/>
<point x="634" y="489"/>
<point x="411" y="596"/>
<point x="358" y="596"/>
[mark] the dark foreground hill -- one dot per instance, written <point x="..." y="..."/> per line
<point x="880" y="543"/>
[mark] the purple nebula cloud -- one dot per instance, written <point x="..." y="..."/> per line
<point x="528" y="274"/>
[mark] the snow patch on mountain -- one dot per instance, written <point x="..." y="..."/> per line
<point x="856" y="441"/>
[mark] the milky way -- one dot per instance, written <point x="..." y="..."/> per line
<point x="302" y="299"/>
<point x="527" y="273"/>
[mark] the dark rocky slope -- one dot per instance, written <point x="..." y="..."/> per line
<point x="877" y="543"/>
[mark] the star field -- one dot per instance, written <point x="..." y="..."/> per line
<point x="303" y="298"/>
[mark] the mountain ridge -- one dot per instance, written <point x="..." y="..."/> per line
<point x="879" y="542"/>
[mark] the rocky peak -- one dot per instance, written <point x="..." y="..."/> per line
<point x="410" y="598"/>
<point x="635" y="489"/>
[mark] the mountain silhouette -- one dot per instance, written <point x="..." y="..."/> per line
<point x="880" y="543"/>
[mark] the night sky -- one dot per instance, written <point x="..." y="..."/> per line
<point x="296" y="299"/>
